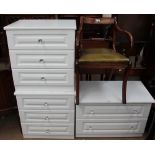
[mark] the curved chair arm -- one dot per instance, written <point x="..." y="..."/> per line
<point x="78" y="44"/>
<point x="77" y="40"/>
<point x="128" y="34"/>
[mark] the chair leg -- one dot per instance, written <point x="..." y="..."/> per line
<point x="111" y="74"/>
<point x="101" y="77"/>
<point x="89" y="77"/>
<point x="124" y="85"/>
<point x="81" y="78"/>
<point x="77" y="87"/>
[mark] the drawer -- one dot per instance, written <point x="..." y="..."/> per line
<point x="45" y="116"/>
<point x="45" y="102"/>
<point x="112" y="112"/>
<point x="33" y="77"/>
<point x="41" y="39"/>
<point x="42" y="59"/>
<point x="37" y="130"/>
<point x="109" y="127"/>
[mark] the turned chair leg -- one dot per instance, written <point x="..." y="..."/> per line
<point x="77" y="87"/>
<point x="124" y="85"/>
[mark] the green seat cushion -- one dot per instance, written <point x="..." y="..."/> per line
<point x="101" y="55"/>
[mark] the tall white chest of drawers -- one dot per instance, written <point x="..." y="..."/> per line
<point x="42" y="62"/>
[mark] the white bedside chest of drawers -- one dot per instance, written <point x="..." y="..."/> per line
<point x="101" y="113"/>
<point x="42" y="61"/>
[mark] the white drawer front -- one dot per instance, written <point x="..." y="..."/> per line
<point x="112" y="112"/>
<point x="55" y="77"/>
<point x="47" y="130"/>
<point x="112" y="128"/>
<point x="41" y="39"/>
<point x="45" y="102"/>
<point x="44" y="116"/>
<point x="42" y="59"/>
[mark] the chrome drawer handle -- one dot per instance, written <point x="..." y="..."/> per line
<point x="47" y="131"/>
<point x="40" y="41"/>
<point x="90" y="128"/>
<point x="135" y="111"/>
<point x="132" y="127"/>
<point x="46" y="118"/>
<point x="97" y="20"/>
<point x="43" y="78"/>
<point x="91" y="112"/>
<point x="41" y="60"/>
<point x="45" y="104"/>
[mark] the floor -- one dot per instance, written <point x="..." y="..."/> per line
<point x="10" y="129"/>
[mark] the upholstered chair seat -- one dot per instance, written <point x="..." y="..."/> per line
<point x="102" y="55"/>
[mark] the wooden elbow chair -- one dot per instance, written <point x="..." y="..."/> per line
<point x="95" y="60"/>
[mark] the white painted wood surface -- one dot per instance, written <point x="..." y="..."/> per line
<point x="39" y="59"/>
<point x="102" y="114"/>
<point x="45" y="101"/>
<point x="42" y="61"/>
<point x="42" y="24"/>
<point x="110" y="127"/>
<point x="113" y="111"/>
<point x="47" y="116"/>
<point x="110" y="92"/>
<point x="32" y="77"/>
<point x="48" y="130"/>
<point x="41" y="39"/>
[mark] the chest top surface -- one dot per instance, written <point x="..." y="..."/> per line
<point x="100" y="92"/>
<point x="42" y="24"/>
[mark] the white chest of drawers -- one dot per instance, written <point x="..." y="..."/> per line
<point x="42" y="62"/>
<point x="101" y="113"/>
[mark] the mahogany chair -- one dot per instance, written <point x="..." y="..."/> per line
<point x="95" y="60"/>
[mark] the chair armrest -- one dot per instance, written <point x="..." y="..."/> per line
<point x="128" y="34"/>
<point x="77" y="40"/>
